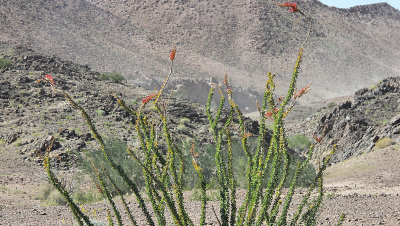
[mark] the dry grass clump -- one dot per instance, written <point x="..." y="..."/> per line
<point x="384" y="142"/>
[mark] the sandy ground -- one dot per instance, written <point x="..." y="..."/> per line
<point x="366" y="188"/>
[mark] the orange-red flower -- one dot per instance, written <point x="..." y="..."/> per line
<point x="173" y="52"/>
<point x="303" y="91"/>
<point x="50" y="79"/>
<point x="148" y="98"/>
<point x="270" y="113"/>
<point x="292" y="6"/>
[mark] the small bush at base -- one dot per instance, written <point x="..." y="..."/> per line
<point x="384" y="142"/>
<point x="112" y="76"/>
<point x="5" y="63"/>
<point x="89" y="196"/>
<point x="299" y="142"/>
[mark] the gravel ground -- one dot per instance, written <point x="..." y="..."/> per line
<point x="365" y="188"/>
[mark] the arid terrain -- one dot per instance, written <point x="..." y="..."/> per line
<point x="352" y="60"/>
<point x="348" y="49"/>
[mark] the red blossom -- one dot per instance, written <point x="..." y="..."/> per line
<point x="173" y="52"/>
<point x="318" y="139"/>
<point x="50" y="79"/>
<point x="270" y="113"/>
<point x="292" y="6"/>
<point x="303" y="91"/>
<point x="148" y="98"/>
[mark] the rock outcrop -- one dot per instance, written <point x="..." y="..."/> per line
<point x="358" y="125"/>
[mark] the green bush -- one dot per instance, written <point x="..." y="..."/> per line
<point x="331" y="104"/>
<point x="117" y="150"/>
<point x="184" y="120"/>
<point x="211" y="196"/>
<point x="4" y="63"/>
<point x="182" y="128"/>
<point x="44" y="191"/>
<point x="384" y="142"/>
<point x="112" y="76"/>
<point x="89" y="196"/>
<point x="299" y="142"/>
<point x="100" y="112"/>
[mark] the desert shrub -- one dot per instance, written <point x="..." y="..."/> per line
<point x="197" y="196"/>
<point x="100" y="112"/>
<point x="184" y="120"/>
<point x="116" y="148"/>
<point x="299" y="142"/>
<point x="331" y="104"/>
<point x="5" y="63"/>
<point x="88" y="196"/>
<point x="49" y="196"/>
<point x="2" y="141"/>
<point x="384" y="142"/>
<point x="55" y="199"/>
<point x="112" y="76"/>
<point x="44" y="191"/>
<point x="182" y="128"/>
<point x="373" y="87"/>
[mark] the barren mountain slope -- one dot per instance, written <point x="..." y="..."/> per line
<point x="348" y="49"/>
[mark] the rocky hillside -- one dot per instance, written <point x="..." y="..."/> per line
<point x="31" y="112"/>
<point x="349" y="48"/>
<point x="370" y="120"/>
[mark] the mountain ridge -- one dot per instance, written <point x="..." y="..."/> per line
<point x="348" y="49"/>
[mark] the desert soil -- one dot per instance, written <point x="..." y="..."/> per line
<point x="366" y="188"/>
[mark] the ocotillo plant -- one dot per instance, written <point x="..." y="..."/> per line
<point x="164" y="171"/>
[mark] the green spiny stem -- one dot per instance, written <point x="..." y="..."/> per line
<point x="222" y="179"/>
<point x="118" y="168"/>
<point x="311" y="188"/>
<point x="341" y="220"/>
<point x="125" y="107"/>
<point x="167" y="196"/>
<point x="178" y="184"/>
<point x="208" y="106"/>
<point x="293" y="81"/>
<point x="107" y="195"/>
<point x="232" y="180"/>
<point x="179" y="188"/>
<point x="119" y="192"/>
<point x="156" y="206"/>
<point x="273" y="149"/>
<point x="109" y="218"/>
<point x="309" y="216"/>
<point x="289" y="195"/>
<point x="56" y="183"/>
<point x="278" y="202"/>
<point x="218" y="115"/>
<point x="271" y="186"/>
<point x="203" y="197"/>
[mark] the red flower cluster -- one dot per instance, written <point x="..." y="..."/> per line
<point x="148" y="98"/>
<point x="303" y="91"/>
<point x="270" y="113"/>
<point x="50" y="79"/>
<point x="292" y="6"/>
<point x="173" y="52"/>
<point x="318" y="139"/>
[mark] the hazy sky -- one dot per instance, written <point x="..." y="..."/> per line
<point x="350" y="3"/>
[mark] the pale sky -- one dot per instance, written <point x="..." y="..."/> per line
<point x="350" y="3"/>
